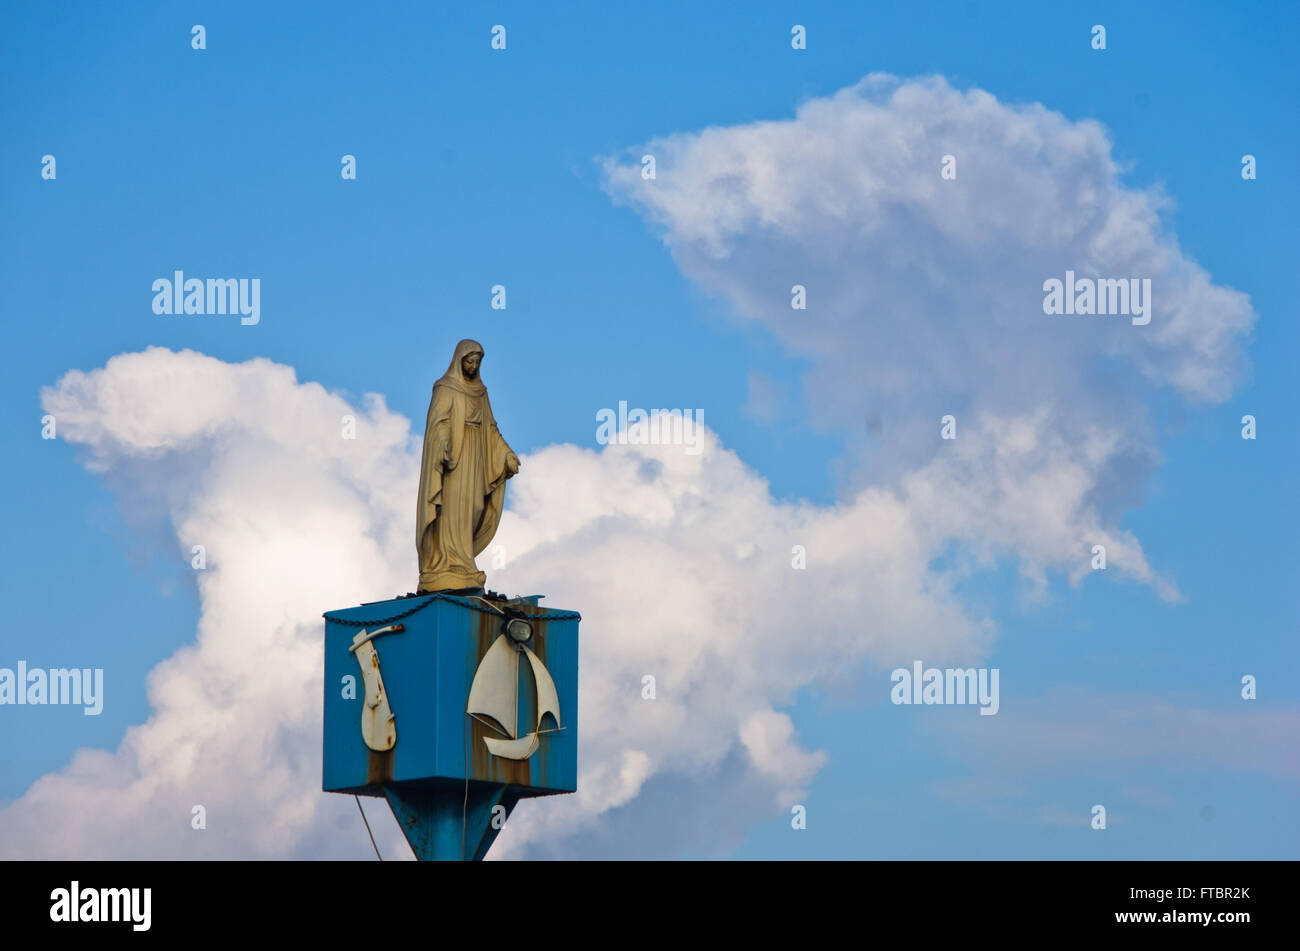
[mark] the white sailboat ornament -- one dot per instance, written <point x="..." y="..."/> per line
<point x="494" y="693"/>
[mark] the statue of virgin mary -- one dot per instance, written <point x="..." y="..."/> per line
<point x="463" y="473"/>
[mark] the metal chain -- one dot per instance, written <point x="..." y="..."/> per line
<point x="386" y="620"/>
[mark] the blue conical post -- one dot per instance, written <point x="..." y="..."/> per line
<point x="450" y="823"/>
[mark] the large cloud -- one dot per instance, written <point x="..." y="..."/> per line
<point x="924" y="295"/>
<point x="681" y="564"/>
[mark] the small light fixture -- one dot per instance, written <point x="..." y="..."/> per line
<point x="519" y="630"/>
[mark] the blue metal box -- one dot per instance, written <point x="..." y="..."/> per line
<point x="427" y="670"/>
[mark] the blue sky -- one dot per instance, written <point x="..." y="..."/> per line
<point x="478" y="168"/>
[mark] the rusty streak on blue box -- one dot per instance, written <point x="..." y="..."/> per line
<point x="427" y="670"/>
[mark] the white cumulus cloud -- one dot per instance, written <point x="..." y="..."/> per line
<point x="680" y="563"/>
<point x="924" y="299"/>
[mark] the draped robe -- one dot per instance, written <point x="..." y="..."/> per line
<point x="463" y="472"/>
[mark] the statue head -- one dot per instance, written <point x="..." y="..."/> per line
<point x="463" y="372"/>
<point x="469" y="364"/>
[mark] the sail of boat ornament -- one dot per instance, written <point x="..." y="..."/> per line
<point x="494" y="698"/>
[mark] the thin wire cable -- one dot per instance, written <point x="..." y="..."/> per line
<point x="494" y="608"/>
<point x="464" y="804"/>
<point x="368" y="832"/>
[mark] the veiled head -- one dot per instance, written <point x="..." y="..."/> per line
<point x="466" y="361"/>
